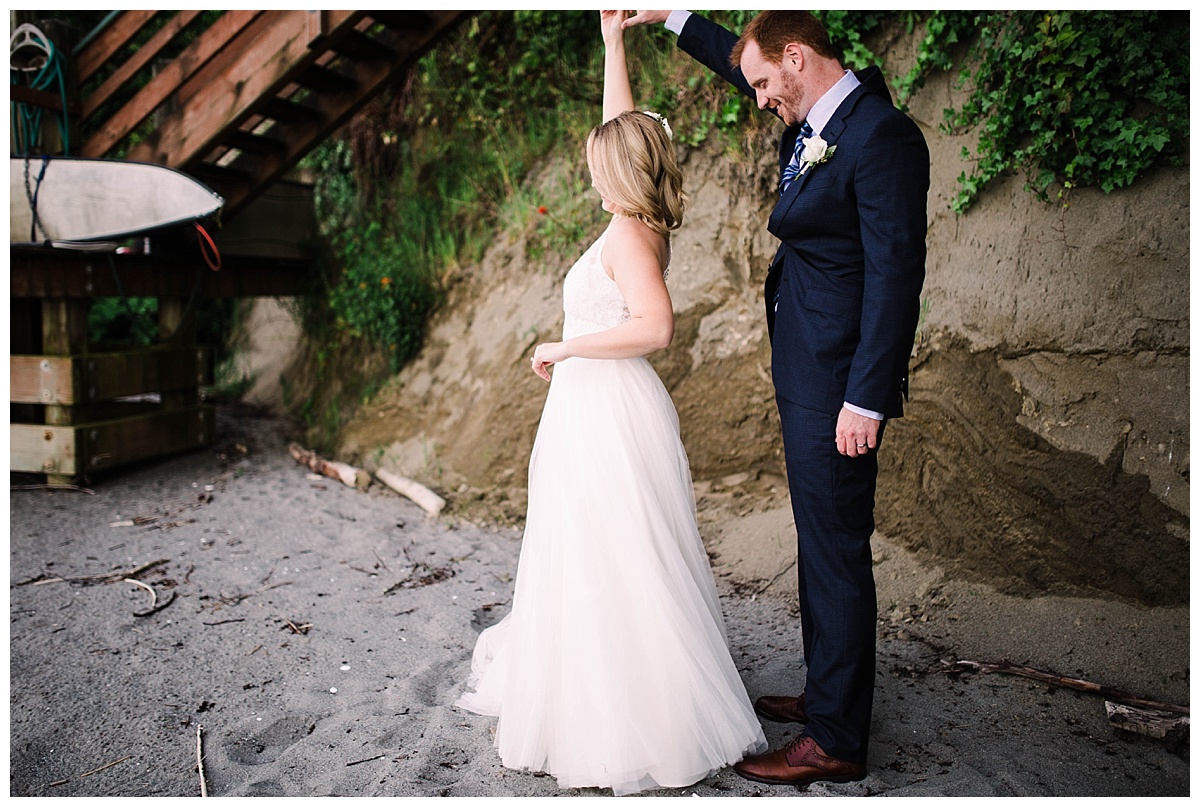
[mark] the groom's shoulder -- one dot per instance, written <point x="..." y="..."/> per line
<point x="878" y="112"/>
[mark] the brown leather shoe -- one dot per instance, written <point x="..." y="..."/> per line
<point x="781" y="708"/>
<point x="799" y="763"/>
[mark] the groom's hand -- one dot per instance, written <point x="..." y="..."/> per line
<point x="857" y="434"/>
<point x="646" y="18"/>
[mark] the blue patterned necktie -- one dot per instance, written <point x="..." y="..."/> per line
<point x="793" y="168"/>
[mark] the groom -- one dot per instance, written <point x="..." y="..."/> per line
<point x="843" y="296"/>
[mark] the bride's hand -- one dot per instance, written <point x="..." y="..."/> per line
<point x="612" y="27"/>
<point x="647" y="18"/>
<point x="546" y="354"/>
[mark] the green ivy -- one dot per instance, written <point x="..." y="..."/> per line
<point x="1067" y="98"/>
<point x="378" y="296"/>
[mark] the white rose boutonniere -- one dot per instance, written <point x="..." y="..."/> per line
<point x="816" y="151"/>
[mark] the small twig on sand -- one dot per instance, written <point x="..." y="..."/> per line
<point x="223" y="622"/>
<point x="381" y="563"/>
<point x="154" y="605"/>
<point x="200" y="760"/>
<point x="1117" y="695"/>
<point x="361" y="761"/>
<point x="52" y="487"/>
<point x="153" y="593"/>
<point x="299" y="629"/>
<point x="105" y="767"/>
<point x="102" y="578"/>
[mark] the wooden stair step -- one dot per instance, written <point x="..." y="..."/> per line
<point x="286" y="112"/>
<point x="357" y="46"/>
<point x="219" y="175"/>
<point x="255" y="144"/>
<point x="403" y="20"/>
<point x="322" y="79"/>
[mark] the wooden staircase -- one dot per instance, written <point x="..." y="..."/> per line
<point x="252" y="93"/>
<point x="249" y="95"/>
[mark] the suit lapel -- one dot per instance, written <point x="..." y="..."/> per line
<point x="870" y="81"/>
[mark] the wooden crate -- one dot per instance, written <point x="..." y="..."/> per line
<point x="96" y="428"/>
<point x="71" y="451"/>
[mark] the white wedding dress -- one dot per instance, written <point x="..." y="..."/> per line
<point x="612" y="670"/>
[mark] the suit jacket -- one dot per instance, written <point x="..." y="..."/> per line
<point x="843" y="292"/>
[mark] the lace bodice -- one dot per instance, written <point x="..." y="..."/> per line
<point x="591" y="299"/>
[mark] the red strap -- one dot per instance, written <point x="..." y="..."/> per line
<point x="211" y="252"/>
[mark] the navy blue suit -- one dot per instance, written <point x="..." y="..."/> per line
<point x="843" y="299"/>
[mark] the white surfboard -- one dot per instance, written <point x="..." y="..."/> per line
<point x="82" y="200"/>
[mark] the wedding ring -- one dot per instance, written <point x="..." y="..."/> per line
<point x="861" y="445"/>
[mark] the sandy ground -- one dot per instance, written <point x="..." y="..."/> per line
<point x="319" y="635"/>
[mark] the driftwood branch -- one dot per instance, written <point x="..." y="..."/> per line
<point x="1150" y="722"/>
<point x="429" y="501"/>
<point x="346" y="474"/>
<point x="1110" y="693"/>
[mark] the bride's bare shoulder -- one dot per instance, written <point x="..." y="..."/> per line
<point x="636" y="236"/>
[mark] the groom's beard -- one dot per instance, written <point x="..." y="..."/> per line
<point x="791" y="99"/>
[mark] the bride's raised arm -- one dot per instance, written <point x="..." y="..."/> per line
<point x="618" y="97"/>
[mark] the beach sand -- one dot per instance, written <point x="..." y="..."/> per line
<point x="319" y="635"/>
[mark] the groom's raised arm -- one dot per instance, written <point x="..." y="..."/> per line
<point x="703" y="40"/>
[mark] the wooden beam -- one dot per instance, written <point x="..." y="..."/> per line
<point x="371" y="76"/>
<point x="51" y="273"/>
<point x="109" y="41"/>
<point x="220" y="35"/>
<point x="248" y="77"/>
<point x="140" y="59"/>
<point x="41" y="99"/>
<point x="70" y="451"/>
<point x="69" y="380"/>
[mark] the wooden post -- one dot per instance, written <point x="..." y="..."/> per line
<point x="64" y="333"/>
<point x="25" y="339"/>
<point x="173" y="328"/>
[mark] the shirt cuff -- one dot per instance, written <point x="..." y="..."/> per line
<point x="676" y="20"/>
<point x="864" y="412"/>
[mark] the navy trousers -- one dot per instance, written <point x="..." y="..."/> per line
<point x="833" y="500"/>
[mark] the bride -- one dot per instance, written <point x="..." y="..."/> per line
<point x="613" y="669"/>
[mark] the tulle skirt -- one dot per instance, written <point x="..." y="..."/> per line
<point x="612" y="669"/>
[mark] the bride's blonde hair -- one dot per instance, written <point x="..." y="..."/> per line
<point x="633" y="163"/>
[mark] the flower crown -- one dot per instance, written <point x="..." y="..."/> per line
<point x="666" y="126"/>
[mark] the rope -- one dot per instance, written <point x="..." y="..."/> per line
<point x="48" y="66"/>
<point x="31" y="193"/>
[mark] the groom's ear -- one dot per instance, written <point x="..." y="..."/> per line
<point x="793" y="57"/>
